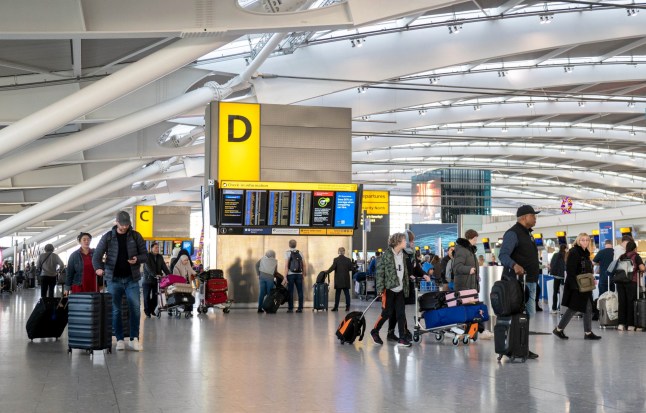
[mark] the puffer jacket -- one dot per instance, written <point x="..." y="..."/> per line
<point x="74" y="269"/>
<point x="464" y="258"/>
<point x="109" y="246"/>
<point x="387" y="273"/>
<point x="155" y="266"/>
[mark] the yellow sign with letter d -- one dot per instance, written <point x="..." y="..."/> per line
<point x="239" y="142"/>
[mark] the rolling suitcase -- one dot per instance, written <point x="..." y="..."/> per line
<point x="90" y="322"/>
<point x="48" y="319"/>
<point x="353" y="325"/>
<point x="511" y="336"/>
<point x="321" y="291"/>
<point x="640" y="309"/>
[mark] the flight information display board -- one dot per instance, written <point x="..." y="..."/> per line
<point x="288" y="208"/>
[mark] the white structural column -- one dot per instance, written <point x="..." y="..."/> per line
<point x="96" y="229"/>
<point x="81" y="219"/>
<point x="63" y="204"/>
<point x="45" y="152"/>
<point x="43" y="209"/>
<point x="106" y="90"/>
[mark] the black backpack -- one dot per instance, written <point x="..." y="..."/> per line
<point x="507" y="297"/>
<point x="295" y="262"/>
<point x="352" y="326"/>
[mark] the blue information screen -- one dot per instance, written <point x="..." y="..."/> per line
<point x="344" y="209"/>
<point x="188" y="246"/>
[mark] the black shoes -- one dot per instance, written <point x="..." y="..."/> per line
<point x="334" y="309"/>
<point x="591" y="336"/>
<point x="532" y="356"/>
<point x="560" y="334"/>
<point x="539" y="308"/>
<point x="299" y="311"/>
<point x="392" y="337"/>
<point x="347" y="308"/>
<point x="404" y="342"/>
<point x="375" y="337"/>
<point x="260" y="310"/>
<point x="290" y="311"/>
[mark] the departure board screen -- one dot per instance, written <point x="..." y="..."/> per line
<point x="232" y="207"/>
<point x="299" y="213"/>
<point x="323" y="209"/>
<point x="278" y="208"/>
<point x="344" y="209"/>
<point x="255" y="208"/>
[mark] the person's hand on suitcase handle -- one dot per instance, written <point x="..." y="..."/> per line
<point x="518" y="269"/>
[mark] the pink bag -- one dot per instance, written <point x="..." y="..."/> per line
<point x="461" y="297"/>
<point x="467" y="293"/>
<point x="171" y="279"/>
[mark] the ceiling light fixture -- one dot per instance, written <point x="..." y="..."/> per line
<point x="546" y="18"/>
<point x="530" y="104"/>
<point x="455" y="28"/>
<point x="581" y="104"/>
<point x="422" y="112"/>
<point x="460" y="131"/>
<point x="631" y="12"/>
<point x="568" y="69"/>
<point x="477" y="107"/>
<point x="502" y="73"/>
<point x="434" y="80"/>
<point x="591" y="131"/>
<point x="562" y="150"/>
<point x="598" y="154"/>
<point x="632" y="132"/>
<point x="631" y="104"/>
<point x="362" y="89"/>
<point x="504" y="129"/>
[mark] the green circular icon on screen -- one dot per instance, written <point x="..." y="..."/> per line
<point x="323" y="202"/>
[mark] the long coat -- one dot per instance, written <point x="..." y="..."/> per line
<point x="342" y="267"/>
<point x="578" y="262"/>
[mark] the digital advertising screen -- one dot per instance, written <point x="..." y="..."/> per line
<point x="322" y="209"/>
<point x="232" y="207"/>
<point x="344" y="209"/>
<point x="255" y="208"/>
<point x="188" y="246"/>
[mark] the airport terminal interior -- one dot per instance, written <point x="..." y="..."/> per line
<point x="227" y="128"/>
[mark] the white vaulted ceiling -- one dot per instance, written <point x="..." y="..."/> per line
<point x="548" y="96"/>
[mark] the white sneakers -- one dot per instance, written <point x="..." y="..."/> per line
<point x="134" y="345"/>
<point x="485" y="335"/>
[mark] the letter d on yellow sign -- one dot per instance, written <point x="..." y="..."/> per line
<point x="239" y="142"/>
<point x="144" y="220"/>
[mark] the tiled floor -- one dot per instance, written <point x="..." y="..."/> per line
<point x="249" y="362"/>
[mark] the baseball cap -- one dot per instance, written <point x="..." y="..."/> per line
<point x="526" y="209"/>
<point x="123" y="218"/>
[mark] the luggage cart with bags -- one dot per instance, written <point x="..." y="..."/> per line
<point x="213" y="288"/>
<point x="459" y="322"/>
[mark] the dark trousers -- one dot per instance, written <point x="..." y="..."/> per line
<point x="295" y="280"/>
<point x="150" y="290"/>
<point x="555" y="293"/>
<point x="392" y="303"/>
<point x="337" y="297"/>
<point x="47" y="285"/>
<point x="627" y="295"/>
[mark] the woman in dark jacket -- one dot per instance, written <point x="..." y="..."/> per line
<point x="578" y="262"/>
<point x="342" y="267"/>
<point x="465" y="263"/>
<point x="80" y="277"/>
<point x="627" y="292"/>
<point x="557" y="269"/>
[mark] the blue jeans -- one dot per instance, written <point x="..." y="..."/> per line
<point x="291" y="280"/>
<point x="117" y="287"/>
<point x="265" y="287"/>
<point x="530" y="305"/>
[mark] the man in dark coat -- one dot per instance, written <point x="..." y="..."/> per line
<point x="342" y="267"/>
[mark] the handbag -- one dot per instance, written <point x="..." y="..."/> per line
<point x="585" y="282"/>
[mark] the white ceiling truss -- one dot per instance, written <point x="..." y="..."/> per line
<point x="550" y="97"/>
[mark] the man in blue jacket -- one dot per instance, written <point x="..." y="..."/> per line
<point x="124" y="250"/>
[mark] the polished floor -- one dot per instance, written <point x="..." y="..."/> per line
<point x="249" y="362"/>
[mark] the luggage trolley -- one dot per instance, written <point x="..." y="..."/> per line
<point x="174" y="308"/>
<point x="465" y="330"/>
<point x="213" y="289"/>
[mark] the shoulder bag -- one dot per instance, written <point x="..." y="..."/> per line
<point x="586" y="281"/>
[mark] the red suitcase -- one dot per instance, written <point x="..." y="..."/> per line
<point x="217" y="284"/>
<point x="215" y="298"/>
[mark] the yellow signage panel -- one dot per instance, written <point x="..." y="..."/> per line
<point x="335" y="231"/>
<point x="144" y="220"/>
<point x="375" y="209"/>
<point x="376" y="196"/>
<point x="312" y="231"/>
<point x="239" y="141"/>
<point x="287" y="186"/>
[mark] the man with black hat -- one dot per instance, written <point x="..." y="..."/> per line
<point x="124" y="250"/>
<point x="519" y="256"/>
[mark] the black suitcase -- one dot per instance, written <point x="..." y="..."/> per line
<point x="507" y="297"/>
<point x="90" y="322"/>
<point x="640" y="310"/>
<point x="48" y="319"/>
<point x="180" y="299"/>
<point x="511" y="336"/>
<point x="433" y="300"/>
<point x="321" y="292"/>
<point x="352" y="326"/>
<point x="125" y="316"/>
<point x="274" y="299"/>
